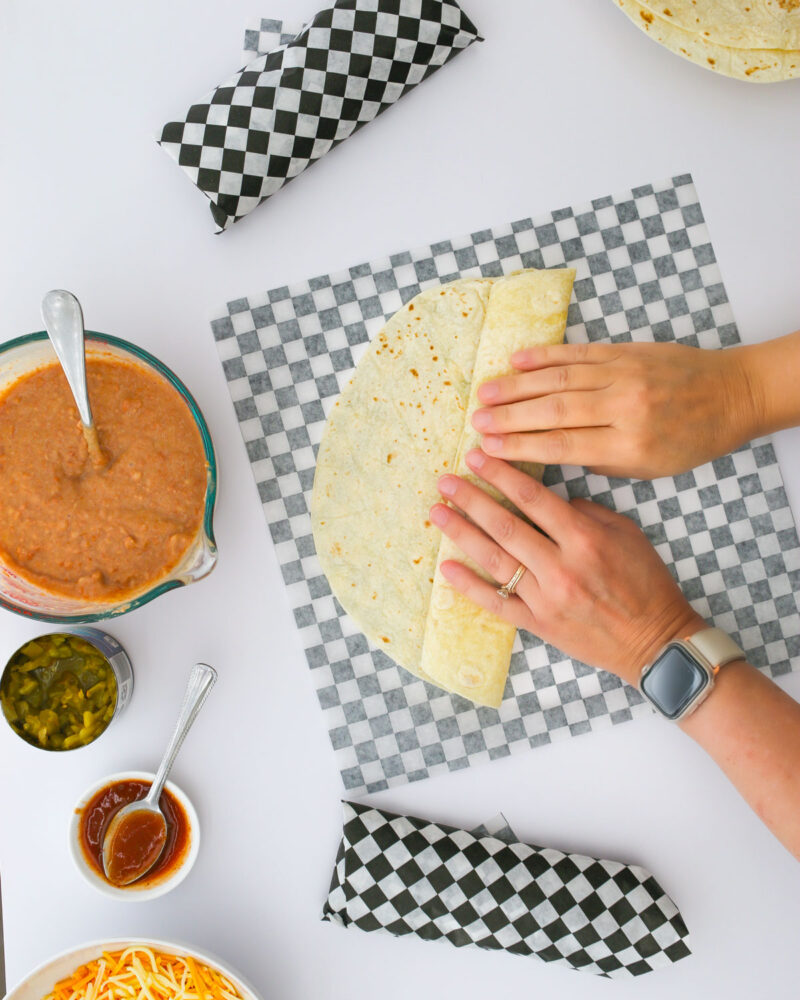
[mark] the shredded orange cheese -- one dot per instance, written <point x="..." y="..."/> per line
<point x="141" y="973"/>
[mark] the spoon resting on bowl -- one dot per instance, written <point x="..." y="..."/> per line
<point x="137" y="833"/>
<point x="63" y="320"/>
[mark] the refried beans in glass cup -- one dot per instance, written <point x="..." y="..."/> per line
<point x="80" y="544"/>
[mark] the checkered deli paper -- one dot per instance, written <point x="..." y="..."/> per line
<point x="408" y="876"/>
<point x="304" y="94"/>
<point x="646" y="271"/>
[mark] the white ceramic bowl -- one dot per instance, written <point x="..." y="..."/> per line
<point x="131" y="894"/>
<point x="41" y="981"/>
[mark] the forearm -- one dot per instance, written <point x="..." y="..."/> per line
<point x="770" y="384"/>
<point x="751" y="728"/>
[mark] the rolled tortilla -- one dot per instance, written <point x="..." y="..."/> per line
<point x="466" y="649"/>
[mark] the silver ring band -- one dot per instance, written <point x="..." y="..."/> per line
<point x="510" y="588"/>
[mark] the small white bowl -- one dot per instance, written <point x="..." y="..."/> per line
<point x="43" y="978"/>
<point x="131" y="894"/>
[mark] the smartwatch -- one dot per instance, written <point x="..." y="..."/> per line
<point x="681" y="676"/>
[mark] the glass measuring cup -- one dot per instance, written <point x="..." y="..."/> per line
<point x="25" y="354"/>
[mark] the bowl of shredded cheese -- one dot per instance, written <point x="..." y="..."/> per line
<point x="133" y="969"/>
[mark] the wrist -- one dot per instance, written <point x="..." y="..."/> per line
<point x="763" y="378"/>
<point x="683" y="673"/>
<point x="674" y="623"/>
<point x="746" y="399"/>
<point x="729" y="684"/>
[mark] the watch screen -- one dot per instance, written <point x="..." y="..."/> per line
<point x="673" y="681"/>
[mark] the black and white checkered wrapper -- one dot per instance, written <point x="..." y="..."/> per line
<point x="408" y="876"/>
<point x="266" y="34"/>
<point x="292" y="103"/>
<point x="646" y="271"/>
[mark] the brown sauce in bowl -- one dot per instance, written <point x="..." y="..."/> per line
<point x="102" y="533"/>
<point x="99" y="811"/>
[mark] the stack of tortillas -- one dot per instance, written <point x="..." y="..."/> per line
<point x="401" y="423"/>
<point x="755" y="40"/>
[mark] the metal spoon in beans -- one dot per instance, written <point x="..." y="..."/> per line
<point x="63" y="320"/>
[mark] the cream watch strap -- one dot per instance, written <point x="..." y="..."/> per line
<point x="716" y="647"/>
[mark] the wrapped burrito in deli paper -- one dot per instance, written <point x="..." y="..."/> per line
<point x="286" y="108"/>
<point x="408" y="876"/>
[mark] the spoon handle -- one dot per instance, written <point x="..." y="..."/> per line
<point x="201" y="680"/>
<point x="63" y="320"/>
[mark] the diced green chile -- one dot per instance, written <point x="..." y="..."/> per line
<point x="58" y="692"/>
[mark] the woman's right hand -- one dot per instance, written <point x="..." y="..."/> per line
<point x="594" y="586"/>
<point x="631" y="410"/>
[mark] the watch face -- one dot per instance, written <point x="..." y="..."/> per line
<point x="674" y="681"/>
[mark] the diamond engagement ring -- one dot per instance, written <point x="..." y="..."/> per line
<point x="510" y="588"/>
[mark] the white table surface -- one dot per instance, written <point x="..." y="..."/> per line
<point x="564" y="101"/>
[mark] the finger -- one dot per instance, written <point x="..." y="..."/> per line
<point x="531" y="358"/>
<point x="510" y="532"/>
<point x="632" y="471"/>
<point x="596" y="511"/>
<point x="476" y="544"/>
<point x="513" y="609"/>
<point x="530" y="385"/>
<point x="569" y="409"/>
<point x="544" y="508"/>
<point x="566" y="446"/>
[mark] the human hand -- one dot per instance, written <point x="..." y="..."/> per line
<point x="641" y="410"/>
<point x="594" y="586"/>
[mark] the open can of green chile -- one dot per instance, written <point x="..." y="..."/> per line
<point x="61" y="691"/>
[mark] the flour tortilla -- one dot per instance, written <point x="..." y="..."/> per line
<point x="466" y="649"/>
<point x="738" y="24"/>
<point x="755" y="64"/>
<point x="394" y="430"/>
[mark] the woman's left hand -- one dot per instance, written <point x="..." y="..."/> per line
<point x="594" y="587"/>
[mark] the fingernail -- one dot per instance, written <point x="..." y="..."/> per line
<point x="440" y="515"/>
<point x="519" y="358"/>
<point x="492" y="443"/>
<point x="476" y="459"/>
<point x="481" y="419"/>
<point x="489" y="391"/>
<point x="448" y="485"/>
